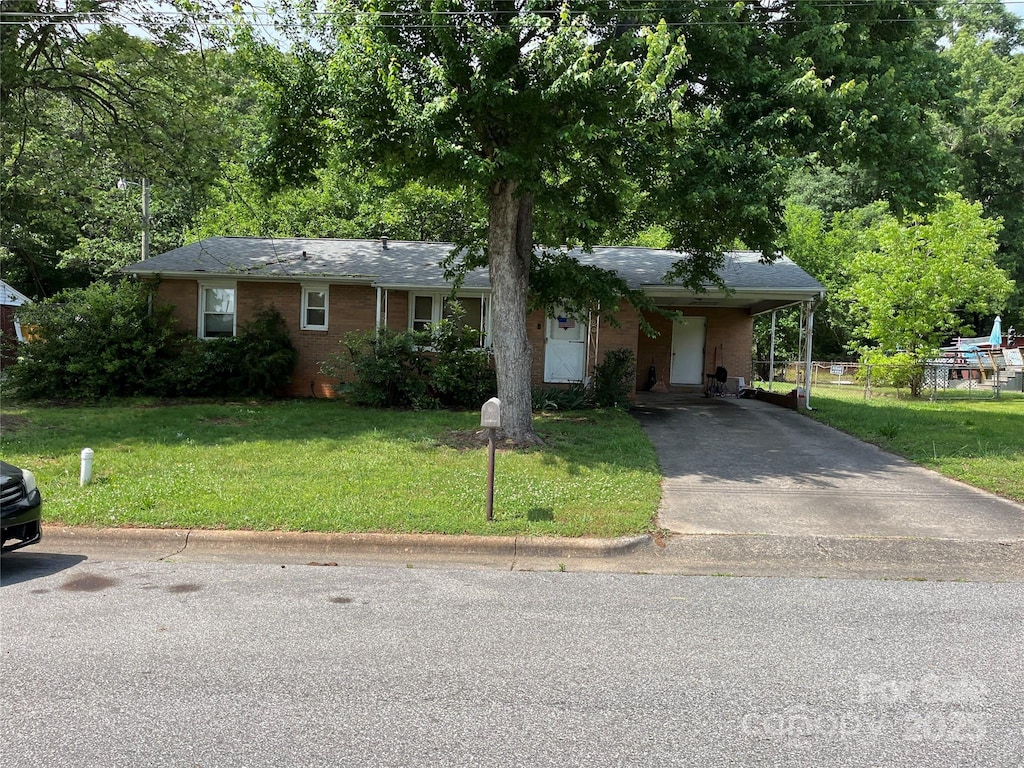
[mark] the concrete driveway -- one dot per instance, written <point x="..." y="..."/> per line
<point x="747" y="467"/>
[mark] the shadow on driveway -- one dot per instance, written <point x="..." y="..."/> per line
<point x="745" y="466"/>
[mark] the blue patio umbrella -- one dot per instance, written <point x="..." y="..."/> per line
<point x="996" y="337"/>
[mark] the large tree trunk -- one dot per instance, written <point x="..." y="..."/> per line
<point x="510" y="247"/>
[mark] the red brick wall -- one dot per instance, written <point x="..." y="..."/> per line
<point x="729" y="342"/>
<point x="183" y="297"/>
<point x="535" y="334"/>
<point x="397" y="310"/>
<point x="352" y="308"/>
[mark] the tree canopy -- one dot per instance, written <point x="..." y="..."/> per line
<point x="84" y="102"/>
<point x="913" y="278"/>
<point x="566" y="119"/>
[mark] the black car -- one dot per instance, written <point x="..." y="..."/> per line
<point x="21" y="508"/>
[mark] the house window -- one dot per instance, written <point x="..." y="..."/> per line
<point x="428" y="308"/>
<point x="475" y="317"/>
<point x="314" y="308"/>
<point x="216" y="311"/>
<point x="422" y="314"/>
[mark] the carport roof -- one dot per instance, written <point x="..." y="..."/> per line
<point x="417" y="265"/>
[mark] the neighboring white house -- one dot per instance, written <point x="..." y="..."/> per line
<point x="10" y="328"/>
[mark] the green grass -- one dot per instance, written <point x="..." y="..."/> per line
<point x="979" y="441"/>
<point x="324" y="466"/>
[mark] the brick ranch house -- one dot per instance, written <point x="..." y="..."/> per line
<point x="326" y="288"/>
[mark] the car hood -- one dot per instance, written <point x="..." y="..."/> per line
<point x="9" y="472"/>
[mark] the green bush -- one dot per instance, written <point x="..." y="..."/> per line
<point x="261" y="357"/>
<point x="441" y="367"/>
<point x="614" y="379"/>
<point x="459" y="373"/>
<point x="95" y="342"/>
<point x="899" y="370"/>
<point x="106" y="341"/>
<point x="380" y="369"/>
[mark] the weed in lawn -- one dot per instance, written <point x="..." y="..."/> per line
<point x="890" y="430"/>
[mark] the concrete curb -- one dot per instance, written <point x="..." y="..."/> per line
<point x="690" y="554"/>
<point x="857" y="557"/>
<point x="201" y="542"/>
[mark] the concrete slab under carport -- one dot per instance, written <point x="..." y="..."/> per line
<point x="737" y="466"/>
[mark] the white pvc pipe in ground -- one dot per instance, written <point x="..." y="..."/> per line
<point x="86" y="474"/>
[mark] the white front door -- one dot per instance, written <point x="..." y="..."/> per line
<point x="565" y="348"/>
<point x="688" y="350"/>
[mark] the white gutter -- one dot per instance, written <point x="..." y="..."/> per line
<point x="256" y="277"/>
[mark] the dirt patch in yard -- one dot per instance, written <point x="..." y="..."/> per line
<point x="474" y="439"/>
<point x="12" y="423"/>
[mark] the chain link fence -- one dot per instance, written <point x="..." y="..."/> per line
<point x="936" y="379"/>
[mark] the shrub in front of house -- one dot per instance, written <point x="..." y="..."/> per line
<point x="459" y="371"/>
<point x="380" y="369"/>
<point x="94" y="342"/>
<point x="106" y="341"/>
<point x="262" y="356"/>
<point x="258" y="362"/>
<point x="575" y="397"/>
<point x="614" y="379"/>
<point x="442" y="367"/>
<point x="610" y="387"/>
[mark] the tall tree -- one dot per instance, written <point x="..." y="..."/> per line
<point x="909" y="286"/>
<point x="824" y="245"/>
<point x="83" y="102"/>
<point x="986" y="138"/>
<point x="563" y="116"/>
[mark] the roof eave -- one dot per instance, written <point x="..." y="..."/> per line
<point x="240" y="275"/>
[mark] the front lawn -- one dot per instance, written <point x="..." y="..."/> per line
<point x="978" y="441"/>
<point x="324" y="466"/>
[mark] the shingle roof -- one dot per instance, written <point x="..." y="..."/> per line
<point x="418" y="264"/>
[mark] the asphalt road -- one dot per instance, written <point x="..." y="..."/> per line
<point x="230" y="664"/>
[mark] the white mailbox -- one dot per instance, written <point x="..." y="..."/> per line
<point x="490" y="414"/>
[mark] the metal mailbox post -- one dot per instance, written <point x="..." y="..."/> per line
<point x="490" y="417"/>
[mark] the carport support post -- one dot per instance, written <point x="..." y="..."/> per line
<point x="809" y="337"/>
<point x="771" y="356"/>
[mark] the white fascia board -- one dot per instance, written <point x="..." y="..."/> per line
<point x="249" y="277"/>
<point x="775" y="294"/>
<point x="431" y="289"/>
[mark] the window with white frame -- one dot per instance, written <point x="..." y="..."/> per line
<point x="428" y="308"/>
<point x="314" y="307"/>
<point x="421" y="313"/>
<point x="217" y="314"/>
